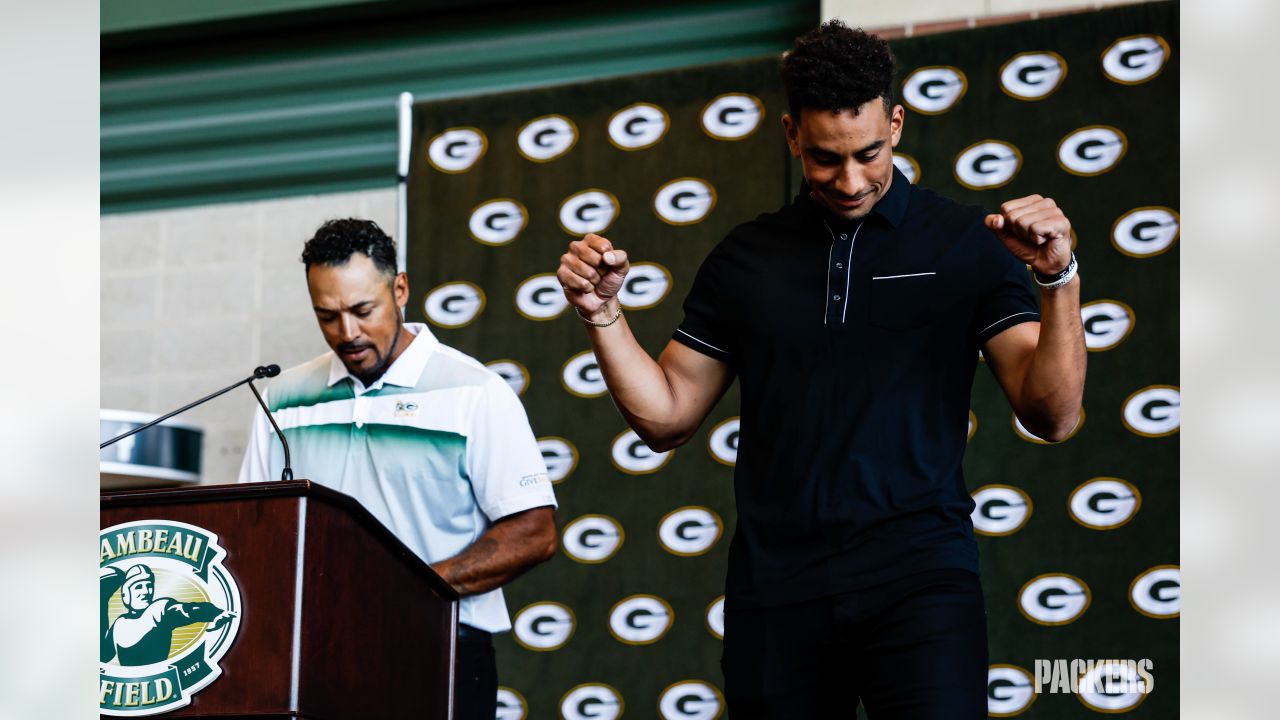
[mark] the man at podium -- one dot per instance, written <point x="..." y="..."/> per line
<point x="435" y="445"/>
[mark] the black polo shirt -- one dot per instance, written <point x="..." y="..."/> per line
<point x="855" y="344"/>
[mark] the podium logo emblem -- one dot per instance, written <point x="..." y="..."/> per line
<point x="169" y="610"/>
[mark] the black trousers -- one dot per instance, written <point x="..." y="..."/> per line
<point x="912" y="648"/>
<point x="475" y="688"/>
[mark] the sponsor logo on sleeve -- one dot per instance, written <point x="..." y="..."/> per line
<point x="1104" y="503"/>
<point x="1033" y="75"/>
<point x="987" y="164"/>
<point x="1000" y="510"/>
<point x="543" y="626"/>
<point x="734" y="116"/>
<point x="1135" y="59"/>
<point x="1054" y="599"/>
<point x="638" y="126"/>
<point x="640" y="619"/>
<point x="592" y="539"/>
<point x="1145" y="231"/>
<point x="632" y="456"/>
<point x="457" y="149"/>
<point x="546" y="138"/>
<point x="934" y="90"/>
<point x="1154" y="411"/>
<point x="454" y="304"/>
<point x="498" y="221"/>
<point x="1092" y="150"/>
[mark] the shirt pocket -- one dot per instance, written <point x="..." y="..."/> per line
<point x="903" y="301"/>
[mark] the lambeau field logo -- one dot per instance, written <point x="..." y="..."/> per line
<point x="169" y="612"/>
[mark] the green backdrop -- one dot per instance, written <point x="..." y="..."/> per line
<point x="1078" y="540"/>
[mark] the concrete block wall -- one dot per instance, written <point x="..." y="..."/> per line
<point x="905" y="18"/>
<point x="193" y="299"/>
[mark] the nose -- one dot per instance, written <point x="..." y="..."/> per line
<point x="849" y="181"/>
<point x="350" y="328"/>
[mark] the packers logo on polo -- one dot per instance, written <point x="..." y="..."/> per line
<point x="589" y="211"/>
<point x="973" y="426"/>
<point x="1135" y="59"/>
<point x="592" y="539"/>
<point x="581" y="376"/>
<point x="734" y="116"/>
<point x="638" y="126"/>
<point x="1145" y="231"/>
<point x="516" y="375"/>
<point x="1054" y="599"/>
<point x="630" y="455"/>
<point x="543" y="626"/>
<point x="1010" y="690"/>
<point x="689" y="531"/>
<point x="646" y="285"/>
<point x="546" y="138"/>
<point x="908" y="166"/>
<point x="722" y="443"/>
<point x="540" y="297"/>
<point x="560" y="456"/>
<point x="1106" y="323"/>
<point x="168" y="609"/>
<point x="1092" y="150"/>
<point x="454" y="304"/>
<point x="1157" y="593"/>
<point x="684" y="201"/>
<point x="987" y="164"/>
<point x="1104" y="503"/>
<point x="640" y="619"/>
<point x="591" y="701"/>
<point x="691" y="700"/>
<point x="934" y="90"/>
<point x="511" y="705"/>
<point x="1113" y="687"/>
<point x="715" y="617"/>
<point x="1000" y="510"/>
<point x="1154" y="411"/>
<point x="497" y="222"/>
<point x="1026" y="434"/>
<point x="455" y="150"/>
<point x="1032" y="75"/>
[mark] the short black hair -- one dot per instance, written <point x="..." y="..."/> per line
<point x="835" y="67"/>
<point x="337" y="240"/>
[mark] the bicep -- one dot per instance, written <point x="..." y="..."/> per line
<point x="697" y="381"/>
<point x="1009" y="354"/>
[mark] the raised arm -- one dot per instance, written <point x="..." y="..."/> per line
<point x="665" y="400"/>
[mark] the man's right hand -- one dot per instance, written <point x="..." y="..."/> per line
<point x="591" y="273"/>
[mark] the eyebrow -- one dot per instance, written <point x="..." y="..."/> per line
<point x="861" y="151"/>
<point x="354" y="308"/>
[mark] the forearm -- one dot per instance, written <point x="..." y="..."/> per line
<point x="504" y="552"/>
<point x="1053" y="385"/>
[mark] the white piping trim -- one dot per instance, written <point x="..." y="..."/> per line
<point x="848" y="273"/>
<point x="827" y="299"/>
<point x="713" y="347"/>
<point x="893" y="277"/>
<point x="1005" y="318"/>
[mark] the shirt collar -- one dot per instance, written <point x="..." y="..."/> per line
<point x="404" y="372"/>
<point x="892" y="207"/>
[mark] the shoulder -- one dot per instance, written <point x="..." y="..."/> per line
<point x="303" y="384"/>
<point x="930" y="207"/>
<point x="451" y="368"/>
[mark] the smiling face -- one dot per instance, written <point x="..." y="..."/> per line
<point x="847" y="157"/>
<point x="358" y="309"/>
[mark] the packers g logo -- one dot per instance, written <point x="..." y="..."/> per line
<point x="973" y="426"/>
<point x="689" y="531"/>
<point x="734" y="116"/>
<point x="630" y="455"/>
<point x="581" y="376"/>
<point x="546" y="138"/>
<point x="560" y="456"/>
<point x="516" y="375"/>
<point x="1092" y="150"/>
<point x="1157" y="593"/>
<point x="691" y="700"/>
<point x="591" y="701"/>
<point x="592" y="539"/>
<point x="455" y="150"/>
<point x="934" y="90"/>
<point x="684" y="201"/>
<point x="169" y="611"/>
<point x="511" y="705"/>
<point x="543" y="626"/>
<point x="1000" y="510"/>
<point x="715" y="617"/>
<point x="497" y="222"/>
<point x="1154" y="411"/>
<point x="1145" y="231"/>
<point x="454" y="304"/>
<point x="987" y="164"/>
<point x="640" y="619"/>
<point x="722" y="443"/>
<point x="1135" y="59"/>
<point x="1104" y="503"/>
<point x="1096" y="685"/>
<point x="1054" y="599"/>
<point x="540" y="297"/>
<point x="1009" y="690"/>
<point x="589" y="211"/>
<point x="908" y="166"/>
<point x="638" y="126"/>
<point x="646" y="285"/>
<point x="1025" y="434"/>
<point x="1106" y="323"/>
<point x="1032" y="75"/>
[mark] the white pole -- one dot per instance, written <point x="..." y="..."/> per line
<point x="405" y="108"/>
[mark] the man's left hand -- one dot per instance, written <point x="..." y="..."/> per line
<point x="1035" y="230"/>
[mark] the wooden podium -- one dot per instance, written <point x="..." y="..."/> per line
<point x="338" y="619"/>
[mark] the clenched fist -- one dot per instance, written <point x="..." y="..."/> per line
<point x="591" y="273"/>
<point x="1035" y="230"/>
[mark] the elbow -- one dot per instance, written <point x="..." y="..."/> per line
<point x="548" y="544"/>
<point x="1054" y="429"/>
<point x="663" y="440"/>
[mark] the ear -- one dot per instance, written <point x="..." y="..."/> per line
<point x="791" y="128"/>
<point x="895" y="124"/>
<point x="400" y="289"/>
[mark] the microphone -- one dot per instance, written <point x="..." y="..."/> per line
<point x="262" y="371"/>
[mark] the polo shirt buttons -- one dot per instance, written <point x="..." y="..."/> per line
<point x="839" y="266"/>
<point x="836" y="298"/>
<point x="844" y="237"/>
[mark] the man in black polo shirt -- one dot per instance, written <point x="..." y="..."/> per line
<point x="853" y="318"/>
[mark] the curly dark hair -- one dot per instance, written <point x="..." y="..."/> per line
<point x="835" y="67"/>
<point x="337" y="240"/>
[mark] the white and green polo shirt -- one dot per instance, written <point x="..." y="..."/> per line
<point x="436" y="449"/>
